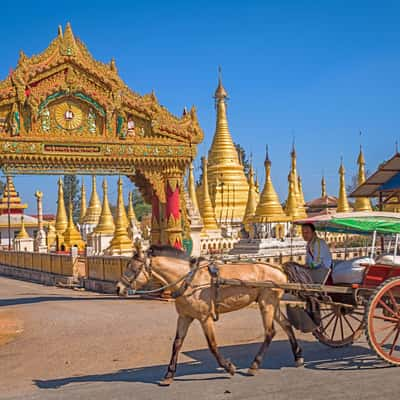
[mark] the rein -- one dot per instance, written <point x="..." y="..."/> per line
<point x="146" y="267"/>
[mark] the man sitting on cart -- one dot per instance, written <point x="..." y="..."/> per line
<point x="316" y="270"/>
<point x="318" y="254"/>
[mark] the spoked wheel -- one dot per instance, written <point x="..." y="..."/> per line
<point x="383" y="321"/>
<point x="340" y="326"/>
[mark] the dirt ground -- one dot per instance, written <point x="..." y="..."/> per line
<point x="10" y="326"/>
<point x="64" y="344"/>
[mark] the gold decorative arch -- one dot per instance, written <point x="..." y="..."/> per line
<point x="63" y="112"/>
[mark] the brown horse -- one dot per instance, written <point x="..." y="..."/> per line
<point x="195" y="298"/>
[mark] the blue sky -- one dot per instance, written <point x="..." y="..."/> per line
<point x="319" y="71"/>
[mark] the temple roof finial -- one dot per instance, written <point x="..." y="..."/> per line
<point x="267" y="160"/>
<point x="220" y="93"/>
<point x="323" y="186"/>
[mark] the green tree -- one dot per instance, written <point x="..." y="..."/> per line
<point x="139" y="205"/>
<point x="72" y="193"/>
<point x="243" y="159"/>
<point x="2" y="187"/>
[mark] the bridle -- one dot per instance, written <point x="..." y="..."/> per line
<point x="145" y="267"/>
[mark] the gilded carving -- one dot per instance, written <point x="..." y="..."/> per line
<point x="61" y="110"/>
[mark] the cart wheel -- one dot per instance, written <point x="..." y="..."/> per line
<point x="340" y="326"/>
<point x="383" y="321"/>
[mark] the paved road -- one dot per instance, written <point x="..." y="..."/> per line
<point x="80" y="345"/>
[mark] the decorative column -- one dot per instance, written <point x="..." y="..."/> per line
<point x="155" y="219"/>
<point x="39" y="196"/>
<point x="172" y="209"/>
<point x="40" y="242"/>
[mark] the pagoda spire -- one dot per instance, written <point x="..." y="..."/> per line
<point x="300" y="204"/>
<point x="343" y="204"/>
<point x="192" y="188"/>
<point x="208" y="213"/>
<point x="301" y="194"/>
<point x="10" y="195"/>
<point x="251" y="201"/>
<point x="94" y="210"/>
<point x="323" y="187"/>
<point x="291" y="202"/>
<point x="22" y="234"/>
<point x="121" y="243"/>
<point x="361" y="203"/>
<point x="72" y="236"/>
<point x="131" y="211"/>
<point x="269" y="208"/>
<point x="222" y="145"/>
<point x="226" y="174"/>
<point x="106" y="221"/>
<point x="61" y="217"/>
<point x="83" y="204"/>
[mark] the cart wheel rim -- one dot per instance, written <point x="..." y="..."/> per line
<point x="384" y="322"/>
<point x="340" y="326"/>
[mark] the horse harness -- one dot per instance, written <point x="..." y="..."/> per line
<point x="213" y="270"/>
<point x="145" y="267"/>
<point x="195" y="263"/>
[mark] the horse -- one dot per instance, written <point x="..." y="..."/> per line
<point x="190" y="284"/>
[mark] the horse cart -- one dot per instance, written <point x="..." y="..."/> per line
<point x="370" y="305"/>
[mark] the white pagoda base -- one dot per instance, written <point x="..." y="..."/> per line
<point x="269" y="246"/>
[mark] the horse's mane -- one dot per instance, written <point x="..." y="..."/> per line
<point x="167" y="251"/>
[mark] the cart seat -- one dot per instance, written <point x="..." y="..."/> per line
<point x="351" y="271"/>
<point x="388" y="259"/>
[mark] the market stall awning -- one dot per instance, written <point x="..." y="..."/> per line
<point x="363" y="222"/>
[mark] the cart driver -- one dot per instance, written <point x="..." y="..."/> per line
<point x="318" y="254"/>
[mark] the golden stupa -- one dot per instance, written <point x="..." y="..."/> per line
<point x="299" y="198"/>
<point x="257" y="188"/>
<point x="51" y="235"/>
<point x="252" y="201"/>
<point x="269" y="209"/>
<point x="208" y="213"/>
<point x="72" y="237"/>
<point x="131" y="211"/>
<point x="343" y="204"/>
<point x="61" y="217"/>
<point x="94" y="210"/>
<point x="120" y="243"/>
<point x="228" y="185"/>
<point x="301" y="193"/>
<point x="292" y="207"/>
<point x="192" y="189"/>
<point x="361" y="203"/>
<point x="106" y="221"/>
<point x="83" y="204"/>
<point x="22" y="234"/>
<point x="11" y="200"/>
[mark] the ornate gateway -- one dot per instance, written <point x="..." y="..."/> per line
<point x="64" y="112"/>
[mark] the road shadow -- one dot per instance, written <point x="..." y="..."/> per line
<point x="41" y="299"/>
<point x="317" y="356"/>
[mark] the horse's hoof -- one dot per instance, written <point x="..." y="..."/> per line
<point x="299" y="362"/>
<point x="165" y="382"/>
<point x="231" y="368"/>
<point x="252" y="372"/>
